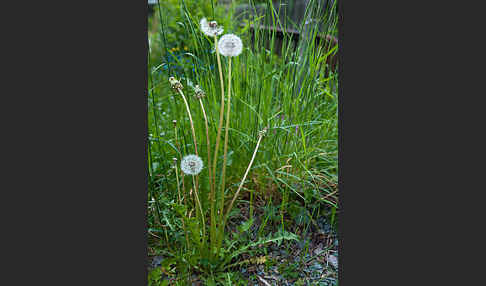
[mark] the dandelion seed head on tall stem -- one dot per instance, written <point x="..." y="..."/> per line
<point x="210" y="29"/>
<point x="230" y="45"/>
<point x="191" y="164"/>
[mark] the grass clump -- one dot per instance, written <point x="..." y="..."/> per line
<point x="263" y="122"/>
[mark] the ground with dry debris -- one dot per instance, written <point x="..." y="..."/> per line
<point x="313" y="260"/>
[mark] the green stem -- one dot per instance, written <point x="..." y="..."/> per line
<point x="177" y="180"/>
<point x="212" y="229"/>
<point x="242" y="180"/>
<point x="190" y="120"/>
<point x="220" y="124"/>
<point x="225" y="152"/>
<point x="180" y="157"/>
<point x="196" y="188"/>
<point x="180" y="202"/>
<point x="200" y="208"/>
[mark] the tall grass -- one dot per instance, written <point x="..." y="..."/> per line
<point x="276" y="84"/>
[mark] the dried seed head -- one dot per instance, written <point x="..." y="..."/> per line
<point x="263" y="132"/>
<point x="210" y="29"/>
<point x="230" y="45"/>
<point x="198" y="92"/>
<point x="174" y="122"/>
<point x="191" y="164"/>
<point x="175" y="84"/>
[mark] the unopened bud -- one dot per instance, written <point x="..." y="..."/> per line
<point x="199" y="93"/>
<point x="263" y="132"/>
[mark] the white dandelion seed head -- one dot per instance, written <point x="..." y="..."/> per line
<point x="230" y="45"/>
<point x="191" y="164"/>
<point x="210" y="29"/>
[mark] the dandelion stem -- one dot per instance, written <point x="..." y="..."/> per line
<point x="193" y="133"/>
<point x="225" y="152"/>
<point x="211" y="184"/>
<point x="243" y="180"/>
<point x="190" y="120"/>
<point x="207" y="140"/>
<point x="221" y="112"/>
<point x="214" y="239"/>
<point x="200" y="207"/>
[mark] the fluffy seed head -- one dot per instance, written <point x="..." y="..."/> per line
<point x="191" y="164"/>
<point x="230" y="45"/>
<point x="210" y="29"/>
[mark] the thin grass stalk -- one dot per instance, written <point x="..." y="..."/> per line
<point x="150" y="161"/>
<point x="180" y="157"/>
<point x="180" y="202"/>
<point x="177" y="181"/>
<point x="166" y="238"/>
<point x="161" y="150"/>
<point x="157" y="212"/>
